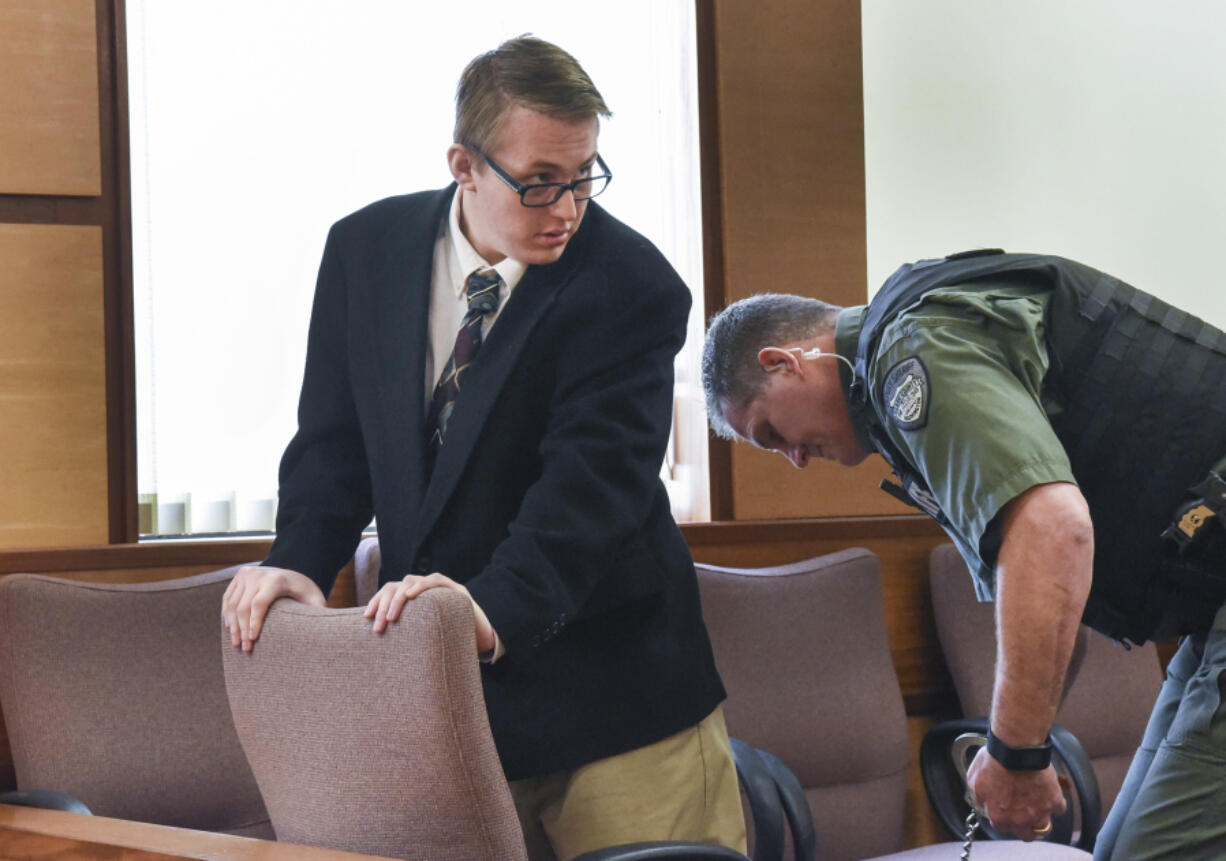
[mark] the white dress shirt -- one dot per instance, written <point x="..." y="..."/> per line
<point x="454" y="260"/>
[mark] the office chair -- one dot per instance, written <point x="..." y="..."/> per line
<point x="803" y="652"/>
<point x="113" y="694"/>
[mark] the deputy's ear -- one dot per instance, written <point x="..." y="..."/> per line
<point x="773" y="359"/>
<point x="462" y="163"/>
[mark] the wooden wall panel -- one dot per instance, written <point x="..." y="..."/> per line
<point x="790" y="132"/>
<point x="770" y="488"/>
<point x="49" y="132"/>
<point x="792" y="147"/>
<point x="52" y="387"/>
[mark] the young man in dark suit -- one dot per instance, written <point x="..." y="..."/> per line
<point x="517" y="462"/>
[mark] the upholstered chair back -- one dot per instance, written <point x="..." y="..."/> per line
<point x="114" y="694"/>
<point x="803" y="652"/>
<point x="374" y="743"/>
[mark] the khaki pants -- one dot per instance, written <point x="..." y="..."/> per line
<point x="683" y="787"/>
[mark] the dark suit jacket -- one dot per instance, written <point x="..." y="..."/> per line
<point x="546" y="499"/>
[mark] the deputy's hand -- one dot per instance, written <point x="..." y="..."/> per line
<point x="252" y="592"/>
<point x="390" y="600"/>
<point x="1019" y="802"/>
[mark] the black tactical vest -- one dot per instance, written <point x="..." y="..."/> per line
<point x="1136" y="393"/>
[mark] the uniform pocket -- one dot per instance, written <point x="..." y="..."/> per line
<point x="1199" y="724"/>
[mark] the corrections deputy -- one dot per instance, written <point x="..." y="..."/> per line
<point x="1069" y="433"/>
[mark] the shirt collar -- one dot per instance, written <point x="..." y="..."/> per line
<point x="846" y="343"/>
<point x="464" y="259"/>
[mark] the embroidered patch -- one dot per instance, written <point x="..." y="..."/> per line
<point x="905" y="394"/>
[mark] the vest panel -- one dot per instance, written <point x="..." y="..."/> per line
<point x="1136" y="393"/>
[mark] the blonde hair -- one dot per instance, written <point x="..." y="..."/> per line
<point x="526" y="71"/>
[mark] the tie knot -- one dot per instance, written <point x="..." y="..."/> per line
<point x="481" y="288"/>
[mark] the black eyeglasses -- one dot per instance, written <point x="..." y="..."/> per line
<point x="549" y="193"/>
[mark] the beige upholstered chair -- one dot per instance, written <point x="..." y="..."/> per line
<point x="114" y="694"/>
<point x="803" y="652"/>
<point x="374" y="743"/>
<point x="1108" y="704"/>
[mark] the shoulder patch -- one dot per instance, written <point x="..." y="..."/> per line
<point x="905" y="394"/>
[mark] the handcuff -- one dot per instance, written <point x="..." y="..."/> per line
<point x="963" y="752"/>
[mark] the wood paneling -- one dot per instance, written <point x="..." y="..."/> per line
<point x="768" y="487"/>
<point x="117" y="277"/>
<point x="719" y="464"/>
<point x="52" y="386"/>
<point x="50" y="210"/>
<point x="785" y="131"/>
<point x="792" y="139"/>
<point x="49" y="133"/>
<point x="70" y="835"/>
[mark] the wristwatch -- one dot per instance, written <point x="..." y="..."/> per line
<point x="1034" y="758"/>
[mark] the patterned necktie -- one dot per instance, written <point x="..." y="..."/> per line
<point x="481" y="288"/>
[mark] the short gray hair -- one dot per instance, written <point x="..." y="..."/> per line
<point x="731" y="375"/>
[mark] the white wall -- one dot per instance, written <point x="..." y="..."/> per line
<point x="1095" y="129"/>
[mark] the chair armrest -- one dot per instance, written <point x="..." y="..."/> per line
<point x="48" y="799"/>
<point x="1077" y="826"/>
<point x="1080" y="771"/>
<point x="795" y="806"/>
<point x="764" y="801"/>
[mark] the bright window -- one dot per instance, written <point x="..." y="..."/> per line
<point x="255" y="125"/>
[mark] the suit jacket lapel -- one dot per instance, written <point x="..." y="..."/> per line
<point x="401" y="292"/>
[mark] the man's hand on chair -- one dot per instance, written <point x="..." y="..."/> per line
<point x="252" y="592"/>
<point x="390" y="600"/>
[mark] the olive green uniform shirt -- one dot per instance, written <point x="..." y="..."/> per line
<point x="965" y="405"/>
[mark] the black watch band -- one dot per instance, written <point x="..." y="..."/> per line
<point x="1034" y="758"/>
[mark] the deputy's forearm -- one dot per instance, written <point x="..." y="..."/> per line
<point x="1043" y="580"/>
